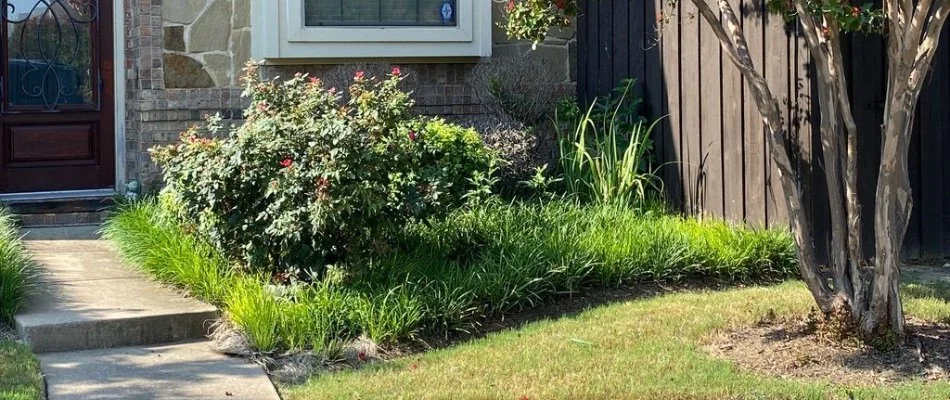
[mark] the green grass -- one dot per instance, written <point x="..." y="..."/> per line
<point x="443" y="276"/>
<point x="641" y="349"/>
<point x="16" y="268"/>
<point x="20" y="377"/>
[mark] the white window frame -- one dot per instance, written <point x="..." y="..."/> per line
<point x="278" y="33"/>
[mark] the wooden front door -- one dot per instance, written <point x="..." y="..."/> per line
<point x="57" y="112"/>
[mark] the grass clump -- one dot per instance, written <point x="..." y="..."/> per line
<point x="444" y="275"/>
<point x="20" y="377"/>
<point x="16" y="268"/>
<point x="147" y="237"/>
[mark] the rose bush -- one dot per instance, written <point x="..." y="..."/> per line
<point x="312" y="177"/>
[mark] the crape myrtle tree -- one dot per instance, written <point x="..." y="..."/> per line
<point x="861" y="293"/>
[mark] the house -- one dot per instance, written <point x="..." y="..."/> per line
<point x="90" y="85"/>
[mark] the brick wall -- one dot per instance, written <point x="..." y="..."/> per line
<point x="177" y="73"/>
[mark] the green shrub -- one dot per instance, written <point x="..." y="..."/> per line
<point x="16" y="268"/>
<point x="307" y="181"/>
<point x="605" y="154"/>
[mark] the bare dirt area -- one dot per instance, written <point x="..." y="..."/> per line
<point x="790" y="349"/>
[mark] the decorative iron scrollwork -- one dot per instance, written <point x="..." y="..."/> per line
<point x="48" y="51"/>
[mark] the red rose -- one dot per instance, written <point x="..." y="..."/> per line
<point x="511" y="5"/>
<point x="359" y="75"/>
<point x="314" y="80"/>
<point x="413" y="135"/>
<point x="396" y="71"/>
<point x="560" y="4"/>
<point x="855" y="11"/>
<point x="286" y="163"/>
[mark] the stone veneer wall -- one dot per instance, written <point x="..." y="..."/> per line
<point x="180" y="67"/>
<point x="169" y="90"/>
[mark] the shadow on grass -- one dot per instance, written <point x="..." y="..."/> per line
<point x="564" y="306"/>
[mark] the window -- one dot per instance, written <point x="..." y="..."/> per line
<point x="341" y="29"/>
<point x="379" y="12"/>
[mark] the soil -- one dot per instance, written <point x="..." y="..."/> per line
<point x="7" y="333"/>
<point x="789" y="349"/>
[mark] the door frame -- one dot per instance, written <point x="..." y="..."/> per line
<point x="119" y="91"/>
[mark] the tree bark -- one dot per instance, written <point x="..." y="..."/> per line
<point x="891" y="216"/>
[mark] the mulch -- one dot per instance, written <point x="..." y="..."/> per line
<point x="788" y="349"/>
<point x="7" y="333"/>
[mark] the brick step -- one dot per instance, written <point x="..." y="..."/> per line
<point x="61" y="212"/>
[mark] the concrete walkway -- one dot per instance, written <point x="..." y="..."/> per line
<point x="105" y="331"/>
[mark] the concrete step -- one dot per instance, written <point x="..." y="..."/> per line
<point x="86" y="299"/>
<point x="179" y="371"/>
<point x="62" y="219"/>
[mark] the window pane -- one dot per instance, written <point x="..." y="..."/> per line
<point x="49" y="52"/>
<point x="380" y="12"/>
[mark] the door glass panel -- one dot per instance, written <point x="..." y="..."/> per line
<point x="49" y="52"/>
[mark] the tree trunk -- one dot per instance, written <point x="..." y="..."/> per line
<point x="913" y="33"/>
<point x="885" y="315"/>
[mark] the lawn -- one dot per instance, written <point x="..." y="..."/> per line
<point x="645" y="349"/>
<point x="20" y="377"/>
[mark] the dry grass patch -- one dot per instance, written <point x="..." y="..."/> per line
<point x="792" y="350"/>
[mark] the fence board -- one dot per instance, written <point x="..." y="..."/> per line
<point x="776" y="64"/>
<point x="690" y="104"/>
<point x="754" y="131"/>
<point x="673" y="157"/>
<point x="933" y="125"/>
<point x="710" y="115"/>
<point x="732" y="145"/>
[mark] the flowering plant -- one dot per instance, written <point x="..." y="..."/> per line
<point x="311" y="177"/>
<point x="532" y="19"/>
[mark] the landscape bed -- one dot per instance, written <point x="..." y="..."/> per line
<point x="20" y="377"/>
<point x="445" y="275"/>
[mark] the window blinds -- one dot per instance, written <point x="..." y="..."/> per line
<point x="380" y="12"/>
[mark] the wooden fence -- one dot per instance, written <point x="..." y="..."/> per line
<point x="712" y="137"/>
